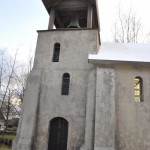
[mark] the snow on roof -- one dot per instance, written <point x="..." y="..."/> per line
<point x="121" y="52"/>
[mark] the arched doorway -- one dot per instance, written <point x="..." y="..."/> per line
<point x="58" y="134"/>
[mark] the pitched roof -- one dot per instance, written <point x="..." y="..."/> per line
<point x="50" y="3"/>
<point x="121" y="52"/>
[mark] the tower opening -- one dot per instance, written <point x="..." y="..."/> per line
<point x="74" y="23"/>
<point x="56" y="52"/>
<point x="65" y="84"/>
<point x="72" y="13"/>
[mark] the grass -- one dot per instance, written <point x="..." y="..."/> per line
<point x="3" y="147"/>
<point x="8" y="137"/>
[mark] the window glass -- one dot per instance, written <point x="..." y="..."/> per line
<point x="56" y="52"/>
<point x="65" y="84"/>
<point x="138" y="83"/>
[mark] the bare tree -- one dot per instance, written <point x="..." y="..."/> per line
<point x="9" y="110"/>
<point x="2" y="67"/>
<point x="13" y="77"/>
<point x="21" y="79"/>
<point x="8" y="79"/>
<point x="127" y="27"/>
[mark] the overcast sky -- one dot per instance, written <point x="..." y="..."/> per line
<point x="19" y="20"/>
<point x="108" y="14"/>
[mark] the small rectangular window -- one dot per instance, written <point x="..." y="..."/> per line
<point x="56" y="52"/>
<point x="138" y="89"/>
<point x="65" y="84"/>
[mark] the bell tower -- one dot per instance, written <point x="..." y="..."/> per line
<point x="72" y="13"/>
<point x="58" y="107"/>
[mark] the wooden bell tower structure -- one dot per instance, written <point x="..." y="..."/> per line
<point x="62" y="12"/>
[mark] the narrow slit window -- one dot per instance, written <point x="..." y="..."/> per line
<point x="138" y="89"/>
<point x="65" y="84"/>
<point x="56" y="52"/>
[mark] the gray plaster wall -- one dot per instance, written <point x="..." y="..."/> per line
<point x="90" y="112"/>
<point x="104" y="138"/>
<point x="100" y="107"/>
<point x="132" y="118"/>
<point x="27" y="123"/>
<point x="120" y="122"/>
<point x="75" y="47"/>
<point x="74" y="50"/>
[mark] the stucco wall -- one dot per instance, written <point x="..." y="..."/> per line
<point x="132" y="118"/>
<point x="74" y="50"/>
<point x="104" y="137"/>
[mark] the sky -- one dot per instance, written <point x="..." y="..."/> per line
<point x="108" y="14"/>
<point x="19" y="20"/>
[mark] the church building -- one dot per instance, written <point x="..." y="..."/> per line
<point x="81" y="94"/>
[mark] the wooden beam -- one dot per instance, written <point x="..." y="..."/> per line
<point x="93" y="20"/>
<point x="89" y="15"/>
<point x="72" y="5"/>
<point x="51" y="3"/>
<point x="51" y="19"/>
<point x="59" y="21"/>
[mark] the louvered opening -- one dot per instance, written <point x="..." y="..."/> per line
<point x="65" y="84"/>
<point x="56" y="52"/>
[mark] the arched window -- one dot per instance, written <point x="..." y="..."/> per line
<point x="56" y="52"/>
<point x="138" y="89"/>
<point x="65" y="84"/>
<point x="58" y="134"/>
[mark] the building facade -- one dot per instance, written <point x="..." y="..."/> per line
<point x="75" y="100"/>
<point x="122" y="96"/>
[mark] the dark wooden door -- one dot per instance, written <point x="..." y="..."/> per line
<point x="58" y="134"/>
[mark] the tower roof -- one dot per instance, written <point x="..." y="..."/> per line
<point x="51" y="3"/>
